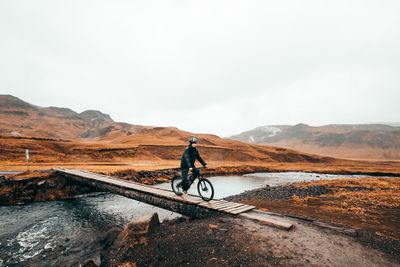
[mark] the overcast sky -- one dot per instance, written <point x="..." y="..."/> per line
<point x="219" y="67"/>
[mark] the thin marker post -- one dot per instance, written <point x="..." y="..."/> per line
<point x="27" y="159"/>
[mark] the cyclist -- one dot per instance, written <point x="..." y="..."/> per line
<point x="190" y="155"/>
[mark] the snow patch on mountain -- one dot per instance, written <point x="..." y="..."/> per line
<point x="270" y="130"/>
<point x="251" y="139"/>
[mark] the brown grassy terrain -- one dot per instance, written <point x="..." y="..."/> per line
<point x="151" y="153"/>
<point x="371" y="204"/>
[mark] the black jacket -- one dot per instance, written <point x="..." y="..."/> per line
<point x="189" y="157"/>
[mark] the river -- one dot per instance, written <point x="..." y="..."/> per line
<point x="68" y="232"/>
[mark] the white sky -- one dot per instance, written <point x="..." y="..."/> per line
<point x="219" y="67"/>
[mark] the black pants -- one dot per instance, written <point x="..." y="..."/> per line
<point x="185" y="172"/>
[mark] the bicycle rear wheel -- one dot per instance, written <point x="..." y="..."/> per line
<point x="205" y="188"/>
<point x="176" y="185"/>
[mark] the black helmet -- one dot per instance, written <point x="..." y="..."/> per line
<point x="193" y="140"/>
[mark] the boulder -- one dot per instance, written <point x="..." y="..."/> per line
<point x="136" y="235"/>
<point x="145" y="224"/>
<point x="136" y="231"/>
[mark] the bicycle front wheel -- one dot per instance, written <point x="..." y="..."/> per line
<point x="176" y="185"/>
<point x="206" y="190"/>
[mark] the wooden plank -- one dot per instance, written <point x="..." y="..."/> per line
<point x="104" y="178"/>
<point x="231" y="206"/>
<point x="192" y="199"/>
<point x="207" y="205"/>
<point x="222" y="205"/>
<point x="242" y="209"/>
<point x="268" y="220"/>
<point x="219" y="201"/>
<point x="210" y="206"/>
<point x="120" y="182"/>
<point x="211" y="202"/>
<point x="186" y="198"/>
<point x="235" y="208"/>
<point x="215" y="201"/>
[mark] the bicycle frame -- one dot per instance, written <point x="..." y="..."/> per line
<point x="199" y="175"/>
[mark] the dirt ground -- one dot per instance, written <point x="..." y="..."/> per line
<point x="368" y="208"/>
<point x="234" y="241"/>
<point x="371" y="206"/>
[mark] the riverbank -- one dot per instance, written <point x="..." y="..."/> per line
<point x="371" y="206"/>
<point x="30" y="187"/>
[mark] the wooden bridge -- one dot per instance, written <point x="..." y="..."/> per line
<point x="189" y="205"/>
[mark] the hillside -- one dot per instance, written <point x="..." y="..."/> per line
<point x="63" y="135"/>
<point x="19" y="118"/>
<point x="364" y="141"/>
<point x="92" y="140"/>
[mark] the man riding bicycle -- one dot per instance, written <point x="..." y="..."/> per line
<point x="190" y="155"/>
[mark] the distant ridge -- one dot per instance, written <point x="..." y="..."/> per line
<point x="355" y="141"/>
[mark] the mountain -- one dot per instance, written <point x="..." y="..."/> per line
<point x="353" y="141"/>
<point x="56" y="134"/>
<point x="19" y="118"/>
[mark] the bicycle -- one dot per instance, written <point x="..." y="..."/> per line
<point x="204" y="186"/>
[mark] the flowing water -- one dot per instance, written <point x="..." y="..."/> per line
<point x="232" y="185"/>
<point x="68" y="232"/>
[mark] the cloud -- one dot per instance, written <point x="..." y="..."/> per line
<point x="206" y="66"/>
